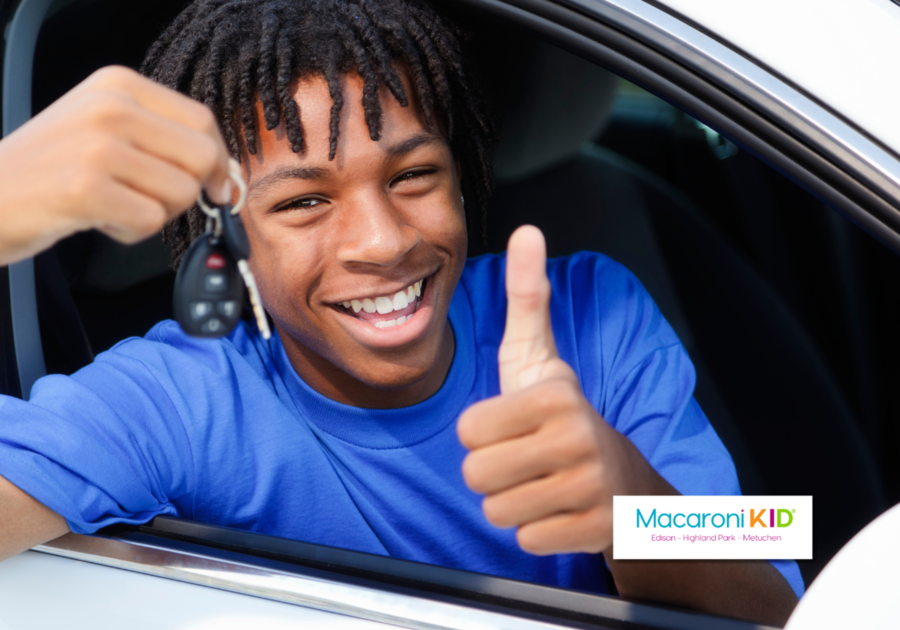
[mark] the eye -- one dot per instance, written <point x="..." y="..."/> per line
<point x="304" y="203"/>
<point x="411" y="175"/>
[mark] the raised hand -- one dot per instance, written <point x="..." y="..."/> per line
<point x="546" y="461"/>
<point x="118" y="153"/>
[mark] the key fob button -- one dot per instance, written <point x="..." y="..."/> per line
<point x="228" y="308"/>
<point x="215" y="283"/>
<point x="213" y="326"/>
<point x="215" y="261"/>
<point x="199" y="310"/>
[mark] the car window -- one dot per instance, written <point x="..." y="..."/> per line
<point x="786" y="307"/>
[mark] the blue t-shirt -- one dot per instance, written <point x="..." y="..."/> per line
<point x="224" y="431"/>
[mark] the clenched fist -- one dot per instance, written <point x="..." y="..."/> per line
<point x="545" y="459"/>
<point x="118" y="153"/>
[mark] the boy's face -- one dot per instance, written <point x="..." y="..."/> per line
<point x="363" y="229"/>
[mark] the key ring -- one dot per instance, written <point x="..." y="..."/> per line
<point x="212" y="212"/>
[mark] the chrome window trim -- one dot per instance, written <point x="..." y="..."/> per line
<point x="737" y="74"/>
<point x="363" y="598"/>
<point x="284" y="585"/>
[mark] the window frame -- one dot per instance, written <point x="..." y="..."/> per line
<point x="366" y="586"/>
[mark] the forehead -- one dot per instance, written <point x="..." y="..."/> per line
<point x="315" y="104"/>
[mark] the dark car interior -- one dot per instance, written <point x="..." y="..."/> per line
<point x="787" y="309"/>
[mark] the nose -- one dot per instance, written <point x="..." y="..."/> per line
<point x="375" y="233"/>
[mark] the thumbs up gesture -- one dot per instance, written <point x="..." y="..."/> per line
<point x="547" y="462"/>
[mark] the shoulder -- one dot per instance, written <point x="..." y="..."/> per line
<point x="169" y="356"/>
<point x="584" y="285"/>
<point x="598" y="308"/>
<point x="485" y="274"/>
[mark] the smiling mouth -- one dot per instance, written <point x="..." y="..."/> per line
<point x="387" y="311"/>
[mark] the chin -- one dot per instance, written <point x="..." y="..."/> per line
<point x="393" y="376"/>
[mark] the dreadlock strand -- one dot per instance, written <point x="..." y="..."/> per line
<point x="246" y="87"/>
<point x="397" y="36"/>
<point x="168" y="36"/>
<point x="337" y="104"/>
<point x="266" y="74"/>
<point x="437" y="72"/>
<point x="373" y="43"/>
<point x="289" y="107"/>
<point x="371" y="104"/>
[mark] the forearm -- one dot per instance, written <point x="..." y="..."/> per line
<point x="25" y="522"/>
<point x="752" y="590"/>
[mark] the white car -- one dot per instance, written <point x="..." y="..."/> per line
<point x="742" y="158"/>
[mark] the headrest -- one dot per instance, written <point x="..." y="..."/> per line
<point x="555" y="103"/>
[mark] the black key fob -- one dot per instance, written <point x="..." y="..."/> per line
<point x="235" y="235"/>
<point x="209" y="292"/>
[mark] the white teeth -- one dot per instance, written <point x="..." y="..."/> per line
<point x="400" y="301"/>
<point x="391" y="322"/>
<point x="402" y="319"/>
<point x="383" y="305"/>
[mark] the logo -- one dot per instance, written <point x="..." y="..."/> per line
<point x="699" y="520"/>
<point x="712" y="527"/>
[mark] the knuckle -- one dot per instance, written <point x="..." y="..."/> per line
<point x="149" y="220"/>
<point x="556" y="395"/>
<point x="465" y="430"/>
<point x="87" y="185"/>
<point x="599" y="523"/>
<point x="99" y="152"/>
<point x="569" y="444"/>
<point x="582" y="436"/>
<point x="544" y="399"/>
<point x="107" y="109"/>
<point x="496" y="512"/>
<point x="206" y="152"/>
<point x="590" y="482"/>
<point x="567" y="393"/>
<point x="202" y="118"/>
<point x="530" y="541"/>
<point x="473" y="474"/>
<point x="113" y="75"/>
<point x="183" y="194"/>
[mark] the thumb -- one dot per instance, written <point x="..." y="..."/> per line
<point x="528" y="344"/>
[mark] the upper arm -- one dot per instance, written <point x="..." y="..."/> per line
<point x="105" y="445"/>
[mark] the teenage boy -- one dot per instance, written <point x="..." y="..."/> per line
<point x="342" y="429"/>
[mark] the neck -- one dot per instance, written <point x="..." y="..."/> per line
<point x="337" y="384"/>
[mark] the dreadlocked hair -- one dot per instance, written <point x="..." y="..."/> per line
<point x="229" y="53"/>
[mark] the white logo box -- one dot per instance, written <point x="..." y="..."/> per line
<point x="712" y="528"/>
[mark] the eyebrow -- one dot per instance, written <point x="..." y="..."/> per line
<point x="311" y="173"/>
<point x="314" y="173"/>
<point x="412" y="143"/>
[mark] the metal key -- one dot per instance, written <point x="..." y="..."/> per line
<point x="225" y="238"/>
